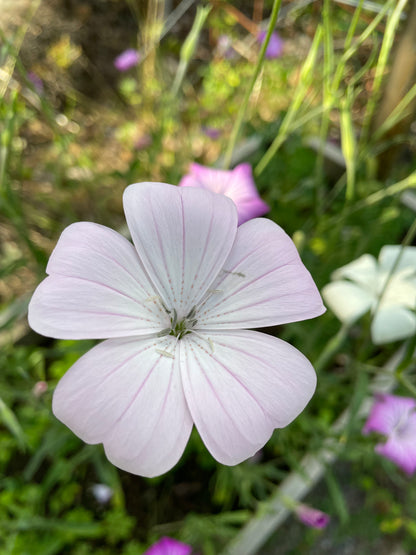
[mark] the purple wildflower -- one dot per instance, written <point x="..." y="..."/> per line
<point x="275" y="46"/>
<point x="314" y="518"/>
<point x="395" y="417"/>
<point x="169" y="546"/>
<point x="127" y="59"/>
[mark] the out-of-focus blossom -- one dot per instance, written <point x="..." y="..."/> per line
<point x="395" y="418"/>
<point x="211" y="132"/>
<point x="224" y="47"/>
<point x="36" y="82"/>
<point x="274" y="48"/>
<point x="102" y="493"/>
<point x="169" y="546"/>
<point x="176" y="307"/>
<point x="313" y="518"/>
<point x="143" y="142"/>
<point x="127" y="59"/>
<point x="40" y="388"/>
<point x="237" y="184"/>
<point x="357" y="288"/>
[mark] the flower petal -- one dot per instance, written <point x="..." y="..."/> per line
<point x="127" y="395"/>
<point x="183" y="236"/>
<point x="363" y="271"/>
<point x="263" y="283"/>
<point x="97" y="288"/>
<point x="347" y="301"/>
<point x="389" y="254"/>
<point x="237" y="184"/>
<point x="391" y="324"/>
<point x="240" y="386"/>
<point x="387" y="413"/>
<point x="169" y="546"/>
<point x="402" y="453"/>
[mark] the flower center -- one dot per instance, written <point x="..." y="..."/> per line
<point x="179" y="328"/>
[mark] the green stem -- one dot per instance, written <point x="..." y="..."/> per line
<point x="402" y="378"/>
<point x="333" y="345"/>
<point x="240" y="116"/>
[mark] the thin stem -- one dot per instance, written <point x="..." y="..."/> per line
<point x="333" y="345"/>
<point x="240" y="117"/>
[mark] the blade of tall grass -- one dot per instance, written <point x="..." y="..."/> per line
<point x="189" y="46"/>
<point x="305" y="80"/>
<point x="386" y="46"/>
<point x="241" y="113"/>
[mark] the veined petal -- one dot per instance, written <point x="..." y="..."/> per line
<point x="183" y="236"/>
<point x="347" y="301"/>
<point x="127" y="395"/>
<point x="240" y="386"/>
<point x="391" y="324"/>
<point x="97" y="288"/>
<point x="263" y="283"/>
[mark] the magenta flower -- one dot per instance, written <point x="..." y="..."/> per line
<point x="168" y="546"/>
<point x="175" y="306"/>
<point x="127" y="59"/>
<point x="274" y="48"/>
<point x="312" y="517"/>
<point x="237" y="184"/>
<point x="395" y="417"/>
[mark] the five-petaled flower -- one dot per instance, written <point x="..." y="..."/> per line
<point x="395" y="418"/>
<point x="387" y="287"/>
<point x="237" y="184"/>
<point x="175" y="306"/>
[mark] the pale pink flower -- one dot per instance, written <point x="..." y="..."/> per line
<point x="175" y="306"/>
<point x="395" y="417"/>
<point x="238" y="184"/>
<point x="169" y="546"/>
<point x="311" y="517"/>
<point x="127" y="59"/>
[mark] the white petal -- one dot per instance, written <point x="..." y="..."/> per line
<point x="391" y="324"/>
<point x="347" y="301"/>
<point x="125" y="394"/>
<point x="97" y="288"/>
<point x="263" y="283"/>
<point x="389" y="254"/>
<point x="363" y="271"/>
<point x="183" y="236"/>
<point x="240" y="386"/>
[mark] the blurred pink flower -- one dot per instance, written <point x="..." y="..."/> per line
<point x="175" y="306"/>
<point x="275" y="46"/>
<point x="312" y="517"/>
<point x="211" y="132"/>
<point x="395" y="417"/>
<point x="40" y="388"/>
<point x="168" y="546"/>
<point x="237" y="184"/>
<point x="127" y="59"/>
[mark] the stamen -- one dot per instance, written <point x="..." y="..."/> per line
<point x="239" y="274"/>
<point x="165" y="353"/>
